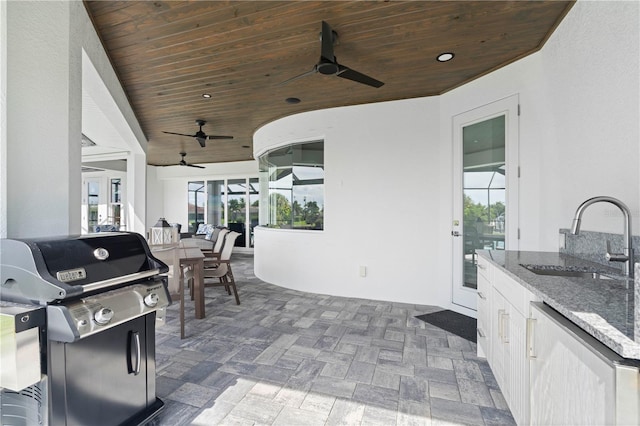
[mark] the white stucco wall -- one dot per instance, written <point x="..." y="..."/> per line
<point x="43" y="115"/>
<point x="579" y="137"/>
<point x="381" y="178"/>
<point x="44" y="44"/>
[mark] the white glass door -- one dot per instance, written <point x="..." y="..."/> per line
<point x="485" y="203"/>
<point x="94" y="207"/>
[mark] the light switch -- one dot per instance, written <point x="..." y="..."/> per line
<point x="363" y="271"/>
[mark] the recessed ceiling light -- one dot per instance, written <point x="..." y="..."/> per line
<point x="444" y="57"/>
<point x="206" y="95"/>
<point x="292" y="100"/>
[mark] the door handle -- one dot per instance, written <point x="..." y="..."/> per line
<point x="455" y="233"/>
<point x="135" y="356"/>
<point x="531" y="323"/>
<point x="500" y="324"/>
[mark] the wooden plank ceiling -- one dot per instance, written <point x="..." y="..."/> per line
<point x="168" y="53"/>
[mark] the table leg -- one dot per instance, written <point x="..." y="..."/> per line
<point x="198" y="288"/>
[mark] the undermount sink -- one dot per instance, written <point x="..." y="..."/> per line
<point x="562" y="271"/>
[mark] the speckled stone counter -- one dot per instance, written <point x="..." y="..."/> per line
<point x="603" y="308"/>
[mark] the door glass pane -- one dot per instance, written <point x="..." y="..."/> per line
<point x="237" y="208"/>
<point x="483" y="191"/>
<point x="93" y="201"/>
<point x="116" y="196"/>
<point x="215" y="202"/>
<point x="196" y="205"/>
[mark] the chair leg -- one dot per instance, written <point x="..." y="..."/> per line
<point x="235" y="292"/>
<point x="232" y="283"/>
<point x="226" y="285"/>
<point x="181" y="286"/>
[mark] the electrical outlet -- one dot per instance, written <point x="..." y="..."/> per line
<point x="363" y="271"/>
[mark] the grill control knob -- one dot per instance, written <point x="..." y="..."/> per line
<point x="151" y="300"/>
<point x="103" y="316"/>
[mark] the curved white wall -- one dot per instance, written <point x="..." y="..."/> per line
<point x="388" y="190"/>
<point x="381" y="165"/>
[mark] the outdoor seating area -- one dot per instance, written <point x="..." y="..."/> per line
<point x="194" y="264"/>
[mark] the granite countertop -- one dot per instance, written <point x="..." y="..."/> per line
<point x="603" y="308"/>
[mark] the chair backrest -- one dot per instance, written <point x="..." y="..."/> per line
<point x="229" y="243"/>
<point x="212" y="235"/>
<point x="222" y="235"/>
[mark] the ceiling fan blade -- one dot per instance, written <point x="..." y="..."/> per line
<point x="201" y="141"/>
<point x="219" y="137"/>
<point x="179" y="134"/>
<point x="194" y="165"/>
<point x="356" y="76"/>
<point x="313" y="71"/>
<point x="327" y="42"/>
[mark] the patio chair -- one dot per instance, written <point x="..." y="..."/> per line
<point x="219" y="269"/>
<point x="218" y="244"/>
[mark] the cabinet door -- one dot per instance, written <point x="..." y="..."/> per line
<point x="508" y="355"/>
<point x="498" y="340"/>
<point x="105" y="385"/>
<point x="516" y="365"/>
<point x="570" y="383"/>
<point x="484" y="308"/>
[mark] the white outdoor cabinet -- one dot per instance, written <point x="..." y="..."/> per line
<point x="504" y="314"/>
<point x="510" y="308"/>
<point x="576" y="380"/>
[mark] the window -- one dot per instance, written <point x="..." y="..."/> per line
<point x="224" y="202"/>
<point x="294" y="178"/>
<point x="254" y="204"/>
<point x="196" y="205"/>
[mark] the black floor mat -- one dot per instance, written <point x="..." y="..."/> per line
<point x="452" y="322"/>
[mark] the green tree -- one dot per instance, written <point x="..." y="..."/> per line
<point x="311" y="212"/>
<point x="283" y="208"/>
<point x="296" y="210"/>
<point x="236" y="206"/>
<point x="497" y="209"/>
<point x="473" y="212"/>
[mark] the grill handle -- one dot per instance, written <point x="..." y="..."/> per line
<point x="134" y="353"/>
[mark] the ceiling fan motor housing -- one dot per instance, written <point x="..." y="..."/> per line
<point x="327" y="68"/>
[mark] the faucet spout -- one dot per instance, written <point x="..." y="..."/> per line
<point x="627" y="254"/>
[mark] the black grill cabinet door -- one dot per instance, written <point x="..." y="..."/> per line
<point x="106" y="376"/>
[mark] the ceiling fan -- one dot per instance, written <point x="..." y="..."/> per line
<point x="328" y="63"/>
<point x="184" y="163"/>
<point x="200" y="136"/>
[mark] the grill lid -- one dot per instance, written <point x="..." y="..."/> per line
<point x="42" y="270"/>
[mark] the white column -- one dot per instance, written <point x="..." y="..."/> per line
<point x="3" y="119"/>
<point x="43" y="118"/>
<point x="136" y="193"/>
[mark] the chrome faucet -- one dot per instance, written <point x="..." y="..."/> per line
<point x="627" y="253"/>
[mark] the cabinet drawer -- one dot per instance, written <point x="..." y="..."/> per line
<point x="517" y="295"/>
<point x="484" y="268"/>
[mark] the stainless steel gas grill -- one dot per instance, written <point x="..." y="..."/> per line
<point x="103" y="297"/>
